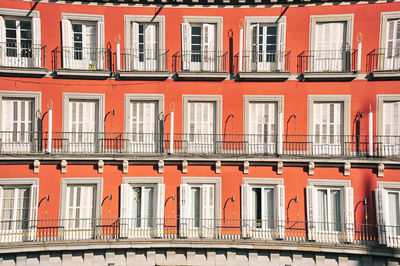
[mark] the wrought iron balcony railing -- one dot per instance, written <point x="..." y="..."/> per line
<point x="383" y="59"/>
<point x="344" y="60"/>
<point x="200" y="61"/>
<point x="19" y="55"/>
<point x="192" y="228"/>
<point x="81" y="58"/>
<point x="141" y="60"/>
<point x="263" y="61"/>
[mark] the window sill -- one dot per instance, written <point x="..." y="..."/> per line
<point x="143" y="75"/>
<point x="23" y="72"/>
<point x="328" y="76"/>
<point x="84" y="74"/>
<point x="262" y="76"/>
<point x="200" y="76"/>
<point x="385" y="75"/>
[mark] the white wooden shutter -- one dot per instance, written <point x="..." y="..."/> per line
<point x="208" y="47"/>
<point x="67" y="43"/>
<point x="254" y="47"/>
<point x="160" y="210"/>
<point x="134" y="56"/>
<point x="7" y="115"/>
<point x="311" y="194"/>
<point x="382" y="215"/>
<point x="280" y="211"/>
<point x="125" y="209"/>
<point x="245" y="210"/>
<point x="36" y="40"/>
<point x="281" y="45"/>
<point x="2" y="41"/>
<point x="151" y="52"/>
<point x="348" y="214"/>
<point x="391" y="118"/>
<point x="101" y="54"/>
<point x="207" y="205"/>
<point x="34" y="195"/>
<point x="186" y="46"/>
<point x="184" y="210"/>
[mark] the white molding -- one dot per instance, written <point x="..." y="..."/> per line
<point x="388" y="185"/>
<point x="202" y="98"/>
<point x="262" y="181"/>
<point x="82" y="17"/>
<point x="380" y="99"/>
<point x="329" y="183"/>
<point x="19" y="13"/>
<point x="143" y="180"/>
<point x="385" y="16"/>
<point x="83" y="96"/>
<point x="19" y="181"/>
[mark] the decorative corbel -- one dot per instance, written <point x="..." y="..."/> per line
<point x="100" y="166"/>
<point x="160" y="166"/>
<point x="184" y="166"/>
<point x="36" y="165"/>
<point x="64" y="167"/>
<point x="346" y="170"/>
<point x="246" y="165"/>
<point x="381" y="168"/>
<point x="311" y="167"/>
<point x="218" y="167"/>
<point x="279" y="168"/>
<point x="125" y="166"/>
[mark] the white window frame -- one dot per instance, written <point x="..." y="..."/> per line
<point x="135" y="146"/>
<point x="217" y="99"/>
<point x="85" y="233"/>
<point x="128" y="226"/>
<point x="346" y="101"/>
<point x="385" y="18"/>
<point x="387" y="235"/>
<point x="37" y="98"/>
<point x="68" y="50"/>
<point x="268" y="147"/>
<point x="385" y="147"/>
<point x="249" y="226"/>
<point x="28" y="234"/>
<point x="35" y="60"/>
<point x="67" y="97"/>
<point x="207" y="227"/>
<point x="279" y="64"/>
<point x="347" y="211"/>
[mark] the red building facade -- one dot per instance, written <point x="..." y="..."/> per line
<point x="247" y="126"/>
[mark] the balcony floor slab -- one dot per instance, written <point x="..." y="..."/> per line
<point x="329" y="76"/>
<point x="83" y="74"/>
<point x="263" y="76"/>
<point x="143" y="75"/>
<point x="200" y="76"/>
<point x="385" y="75"/>
<point x="23" y="72"/>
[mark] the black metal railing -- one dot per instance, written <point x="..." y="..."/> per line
<point x="141" y="60"/>
<point x="343" y="60"/>
<point x="81" y="58"/>
<point x="14" y="54"/>
<point x="192" y="228"/>
<point x="263" y="61"/>
<point x="200" y="61"/>
<point x="383" y="59"/>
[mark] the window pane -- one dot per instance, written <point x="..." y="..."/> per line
<point x="394" y="210"/>
<point x="256" y="212"/>
<point x="322" y="209"/>
<point x="136" y="206"/>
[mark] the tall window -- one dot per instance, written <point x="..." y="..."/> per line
<point x="18" y="38"/>
<point x="263" y="208"/>
<point x="392" y="61"/>
<point x="80" y="211"/>
<point x="144" y="118"/>
<point x="262" y="127"/>
<point x="330" y="213"/>
<point x="391" y="128"/>
<point x="18" y="211"/>
<point x="144" y="50"/>
<point x="17" y="124"/>
<point x="264" y="47"/>
<point x="394" y="211"/>
<point x="142" y="207"/>
<point x="199" y="46"/>
<point x="83" y="42"/>
<point x="201" y="126"/>
<point x="197" y="210"/>
<point x="328" y="127"/>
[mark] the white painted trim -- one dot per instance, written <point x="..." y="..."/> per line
<point x="143" y="180"/>
<point x="329" y="183"/>
<point x="380" y="100"/>
<point x="263" y="181"/>
<point x="19" y="181"/>
<point x="19" y="13"/>
<point x="385" y="17"/>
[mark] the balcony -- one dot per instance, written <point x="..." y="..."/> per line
<point x="115" y="229"/>
<point x="22" y="60"/>
<point x="82" y="62"/>
<point x="384" y="64"/>
<point x="122" y="143"/>
<point x="200" y="65"/>
<point x="327" y="65"/>
<point x="142" y="64"/>
<point x="263" y="66"/>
